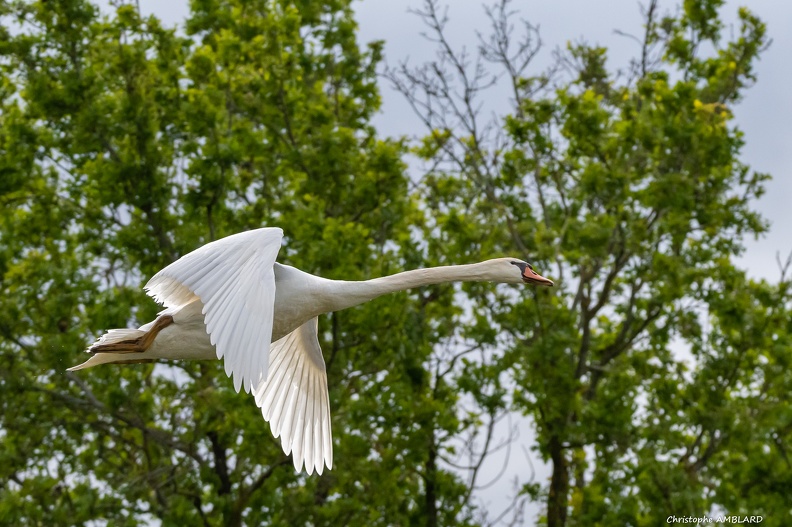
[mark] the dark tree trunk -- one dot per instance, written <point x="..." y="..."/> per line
<point x="559" y="486"/>
<point x="431" y="490"/>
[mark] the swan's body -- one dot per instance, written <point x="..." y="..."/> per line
<point x="229" y="299"/>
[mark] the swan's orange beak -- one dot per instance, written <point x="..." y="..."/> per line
<point x="530" y="276"/>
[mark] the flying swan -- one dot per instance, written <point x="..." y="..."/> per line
<point x="230" y="300"/>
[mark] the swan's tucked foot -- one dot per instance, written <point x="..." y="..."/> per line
<point x="140" y="341"/>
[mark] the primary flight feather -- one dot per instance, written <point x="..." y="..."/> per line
<point x="231" y="300"/>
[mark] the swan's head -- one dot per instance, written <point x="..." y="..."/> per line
<point x="514" y="271"/>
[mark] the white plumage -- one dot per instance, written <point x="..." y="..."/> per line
<point x="230" y="300"/>
<point x="234" y="279"/>
<point x="295" y="399"/>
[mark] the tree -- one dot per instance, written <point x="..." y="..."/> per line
<point x="655" y="370"/>
<point x="126" y="144"/>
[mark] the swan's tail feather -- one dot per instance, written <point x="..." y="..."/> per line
<point x="124" y="345"/>
<point x="117" y="345"/>
<point x="118" y="340"/>
<point x="109" y="358"/>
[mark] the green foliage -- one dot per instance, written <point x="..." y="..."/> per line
<point x="125" y="145"/>
<point x="656" y="372"/>
<point x="650" y="369"/>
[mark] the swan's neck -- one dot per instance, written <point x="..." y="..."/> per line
<point x="343" y="294"/>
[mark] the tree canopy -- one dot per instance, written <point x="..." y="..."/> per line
<point x="656" y="372"/>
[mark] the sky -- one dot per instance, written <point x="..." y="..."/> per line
<point x="764" y="115"/>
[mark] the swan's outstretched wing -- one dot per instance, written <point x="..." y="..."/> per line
<point x="234" y="280"/>
<point x="295" y="401"/>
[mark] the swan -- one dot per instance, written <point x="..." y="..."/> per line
<point x="230" y="300"/>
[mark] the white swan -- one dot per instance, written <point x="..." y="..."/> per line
<point x="229" y="300"/>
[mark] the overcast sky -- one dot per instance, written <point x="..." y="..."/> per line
<point x="765" y="115"/>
